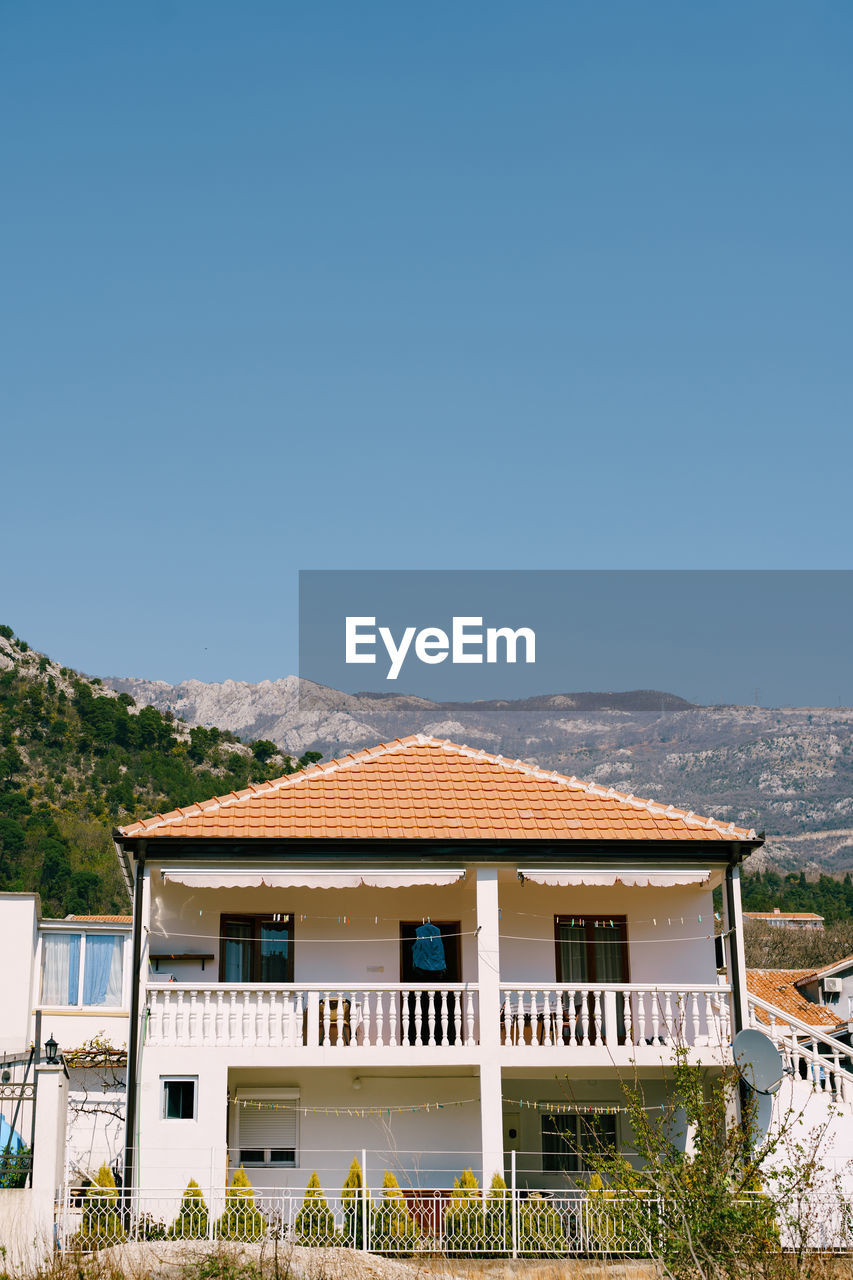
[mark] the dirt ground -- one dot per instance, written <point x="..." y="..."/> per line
<point x="179" y="1260"/>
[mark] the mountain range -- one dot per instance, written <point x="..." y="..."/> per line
<point x="786" y="770"/>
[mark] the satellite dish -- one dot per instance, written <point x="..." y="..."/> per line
<point x="675" y="1128"/>
<point x="758" y="1061"/>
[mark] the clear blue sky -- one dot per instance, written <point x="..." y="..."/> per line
<point x="557" y="285"/>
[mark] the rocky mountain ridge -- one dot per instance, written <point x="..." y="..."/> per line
<point x="788" y="770"/>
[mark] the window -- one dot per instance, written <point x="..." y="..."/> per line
<point x="256" y="948"/>
<point x="268" y="1127"/>
<point x="179" y="1097"/>
<point x="569" y="1138"/>
<point x="591" y="948"/>
<point x="82" y="968"/>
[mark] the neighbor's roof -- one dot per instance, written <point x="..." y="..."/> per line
<point x="778" y="987"/>
<point x="420" y="787"/>
<point x="101" y="919"/>
<point x="781" y="915"/>
<point x="828" y="970"/>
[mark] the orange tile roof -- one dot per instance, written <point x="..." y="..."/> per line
<point x="420" y="787"/>
<point x="829" y="969"/>
<point x="781" y="915"/>
<point x="778" y="987"/>
<point x="101" y="919"/>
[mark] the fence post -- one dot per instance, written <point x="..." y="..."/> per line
<point x="365" y="1215"/>
<point x="513" y="1204"/>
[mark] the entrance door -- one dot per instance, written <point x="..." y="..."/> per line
<point x="430" y="956"/>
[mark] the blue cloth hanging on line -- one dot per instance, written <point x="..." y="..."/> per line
<point x="428" y="949"/>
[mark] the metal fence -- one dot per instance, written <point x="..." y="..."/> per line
<point x="391" y="1221"/>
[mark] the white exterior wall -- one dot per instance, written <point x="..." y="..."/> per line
<point x="19" y="915"/>
<point x="528" y="910"/>
<point x="366" y="950"/>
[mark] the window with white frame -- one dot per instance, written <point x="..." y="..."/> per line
<point x="82" y="969"/>
<point x="179" y="1097"/>
<point x="267" y="1127"/>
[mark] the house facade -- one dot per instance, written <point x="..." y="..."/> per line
<point x="72" y="983"/>
<point x="424" y="955"/>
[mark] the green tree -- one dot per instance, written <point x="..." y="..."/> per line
<point x="101" y="1225"/>
<point x="241" y="1219"/>
<point x="315" y="1222"/>
<point x="192" y="1220"/>
<point x="464" y="1217"/>
<point x="392" y="1227"/>
<point x="352" y="1196"/>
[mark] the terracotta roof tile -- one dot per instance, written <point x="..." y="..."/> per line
<point x="778" y="987"/>
<point x="421" y="787"/>
<point x="101" y="919"/>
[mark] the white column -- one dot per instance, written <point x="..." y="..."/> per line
<point x="48" y="1146"/>
<point x="488" y="975"/>
<point x="735" y="958"/>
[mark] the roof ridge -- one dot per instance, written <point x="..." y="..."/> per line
<point x="355" y="759"/>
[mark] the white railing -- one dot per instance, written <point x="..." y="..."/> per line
<point x="392" y="1015"/>
<point x="808" y="1054"/>
<point x="579" y="1016"/>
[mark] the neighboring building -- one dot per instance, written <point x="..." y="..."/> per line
<point x="778" y="919"/>
<point x="831" y="986"/>
<point x="423" y="951"/>
<point x="783" y="988"/>
<point x="73" y="983"/>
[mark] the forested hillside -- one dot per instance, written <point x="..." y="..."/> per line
<point x="77" y="760"/>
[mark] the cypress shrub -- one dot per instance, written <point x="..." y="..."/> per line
<point x="315" y="1222"/>
<point x="241" y="1219"/>
<point x="392" y="1227"/>
<point x="352" y="1195"/>
<point x="464" y="1217"/>
<point x="192" y="1220"/>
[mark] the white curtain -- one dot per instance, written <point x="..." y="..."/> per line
<point x="60" y="979"/>
<point x="102" y="976"/>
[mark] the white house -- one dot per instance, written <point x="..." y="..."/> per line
<point x="70" y="980"/>
<point x="421" y="951"/>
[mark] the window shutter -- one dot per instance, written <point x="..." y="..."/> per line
<point x="266" y="1128"/>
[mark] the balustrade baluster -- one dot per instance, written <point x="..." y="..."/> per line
<point x="431" y="994"/>
<point x="180" y="1030"/>
<point x="656" y="1011"/>
<point x="194" y="1030"/>
<point x="596" y="1013"/>
<point x="327" y="1019"/>
<point x="205" y="1020"/>
<point x="219" y="1017"/>
<point x="380" y="1018"/>
<point x="297" y="1034"/>
<point x="585" y="1040"/>
<point x="392" y="1019"/>
<point x="274" y="1020"/>
<point x="469" y="1017"/>
<point x="627" y="1017"/>
<point x="694" y="1000"/>
<point x="457" y="1017"/>
<point x="232" y="1018"/>
<point x="546" y="1018"/>
<point x="534" y="1024"/>
<point x="444" y="1036"/>
<point x="366" y="1019"/>
<point x="405" y="1016"/>
<point x="670" y="1030"/>
<point x="418" y="1020"/>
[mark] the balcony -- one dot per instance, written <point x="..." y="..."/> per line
<point x="607" y="1022"/>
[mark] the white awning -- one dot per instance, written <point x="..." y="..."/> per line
<point x="211" y="879"/>
<point x="638" y="879"/>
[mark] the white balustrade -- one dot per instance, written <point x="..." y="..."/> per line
<point x="291" y="1016"/>
<point x="581" y="1015"/>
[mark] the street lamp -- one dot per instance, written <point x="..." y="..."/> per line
<point x="50" y="1054"/>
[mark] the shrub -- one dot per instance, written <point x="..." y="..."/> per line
<point x="540" y="1228"/>
<point x="498" y="1217"/>
<point x="464" y="1217"/>
<point x="392" y="1228"/>
<point x="102" y="1224"/>
<point x="15" y="1167"/>
<point x="192" y="1220"/>
<point x="241" y="1219"/>
<point x="352" y="1195"/>
<point x="315" y="1222"/>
